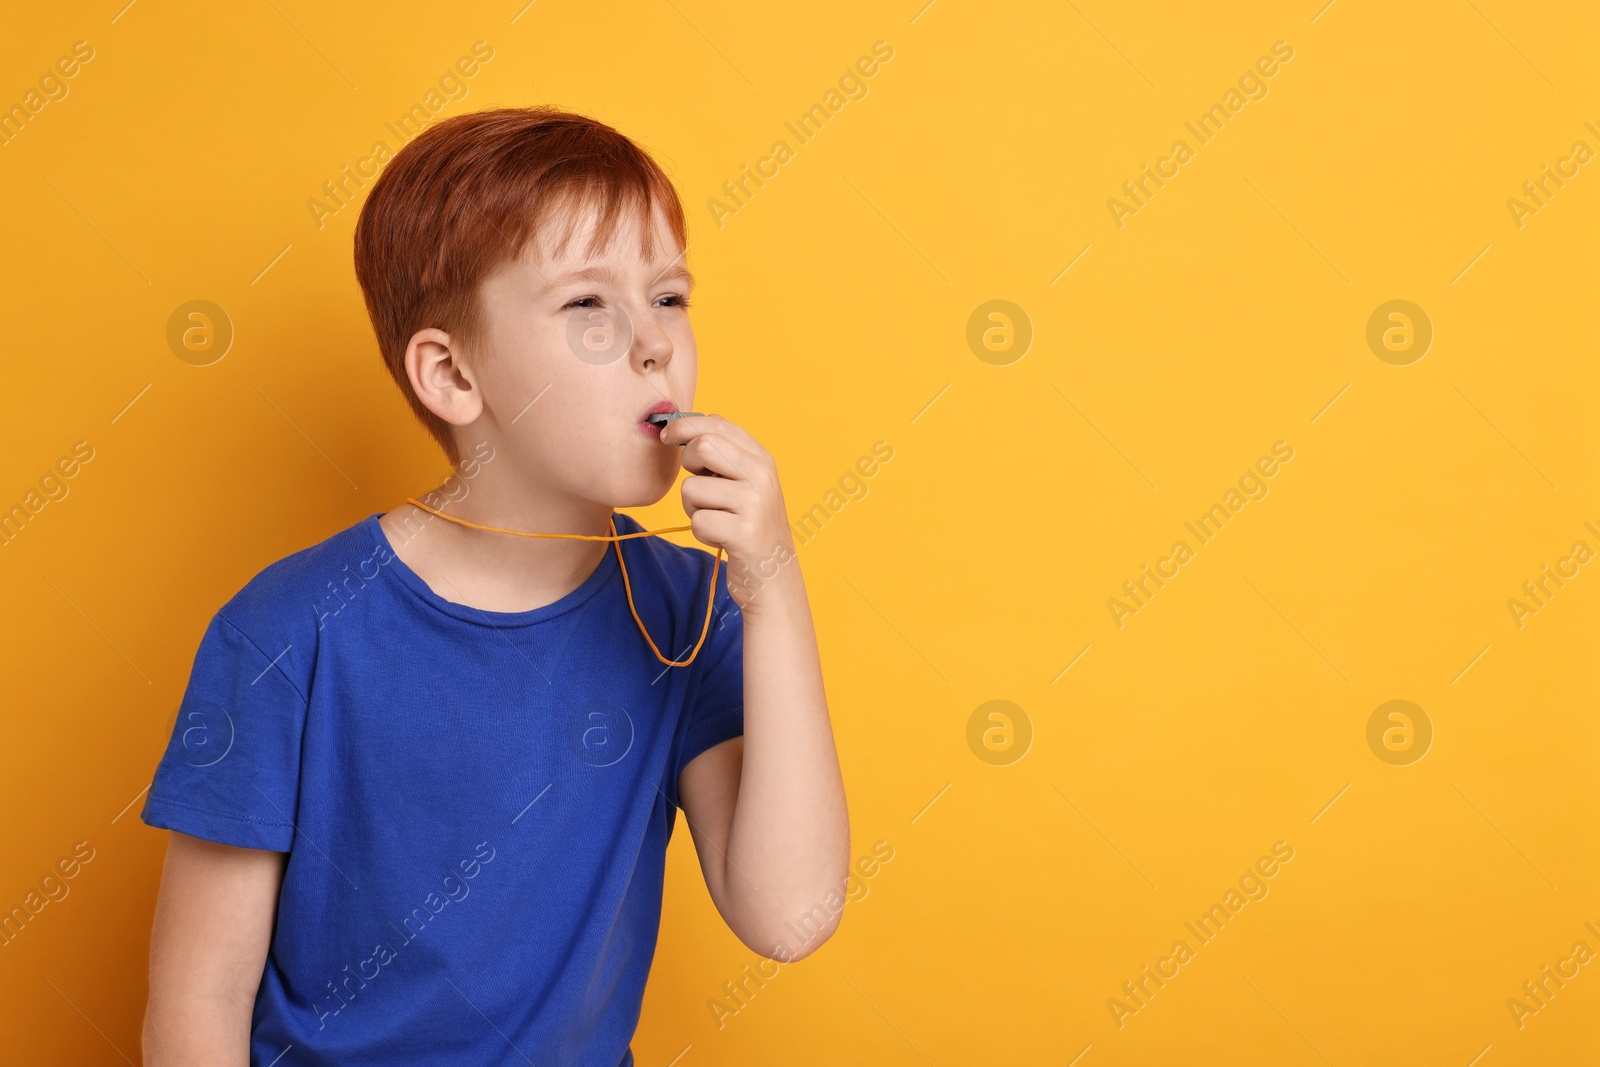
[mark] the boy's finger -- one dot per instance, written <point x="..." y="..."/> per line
<point x="682" y="430"/>
<point x="695" y="426"/>
<point x="719" y="494"/>
<point x="715" y="454"/>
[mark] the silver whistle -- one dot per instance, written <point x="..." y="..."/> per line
<point x="661" y="418"/>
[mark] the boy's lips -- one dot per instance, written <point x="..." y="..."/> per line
<point x="659" y="407"/>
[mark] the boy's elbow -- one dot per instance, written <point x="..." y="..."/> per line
<point x="809" y="946"/>
<point x="789" y="924"/>
<point x="789" y="939"/>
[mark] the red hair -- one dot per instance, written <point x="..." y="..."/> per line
<point x="470" y="193"/>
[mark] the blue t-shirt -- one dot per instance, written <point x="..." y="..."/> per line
<point x="475" y="804"/>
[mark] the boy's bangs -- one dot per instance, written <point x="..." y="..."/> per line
<point x="605" y="203"/>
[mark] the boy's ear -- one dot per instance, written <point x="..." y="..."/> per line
<point x="441" y="378"/>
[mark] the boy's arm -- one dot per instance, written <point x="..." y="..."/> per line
<point x="766" y="810"/>
<point x="208" y="949"/>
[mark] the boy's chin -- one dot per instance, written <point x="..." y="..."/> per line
<point x="640" y="492"/>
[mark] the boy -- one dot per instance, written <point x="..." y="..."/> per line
<point x="424" y="773"/>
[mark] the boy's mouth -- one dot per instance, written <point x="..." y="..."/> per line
<point x="660" y="407"/>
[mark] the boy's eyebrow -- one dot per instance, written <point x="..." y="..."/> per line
<point x="606" y="274"/>
<point x="678" y="270"/>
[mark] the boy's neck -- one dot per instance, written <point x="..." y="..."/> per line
<point x="495" y="571"/>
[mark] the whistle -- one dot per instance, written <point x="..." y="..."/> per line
<point x="661" y="418"/>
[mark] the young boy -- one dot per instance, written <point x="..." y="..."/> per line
<point x="424" y="773"/>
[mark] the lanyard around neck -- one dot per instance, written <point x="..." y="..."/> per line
<point x="616" y="540"/>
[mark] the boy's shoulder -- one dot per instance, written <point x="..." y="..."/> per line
<point x="281" y="600"/>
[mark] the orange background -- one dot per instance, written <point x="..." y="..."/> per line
<point x="1228" y="313"/>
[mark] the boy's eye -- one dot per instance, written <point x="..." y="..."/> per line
<point x="670" y="300"/>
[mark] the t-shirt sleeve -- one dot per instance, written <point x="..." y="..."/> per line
<point x="714" y="711"/>
<point x="231" y="769"/>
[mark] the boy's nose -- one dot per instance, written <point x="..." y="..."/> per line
<point x="652" y="346"/>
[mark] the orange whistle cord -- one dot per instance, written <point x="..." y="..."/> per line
<point x="616" y="540"/>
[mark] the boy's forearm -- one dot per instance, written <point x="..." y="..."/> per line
<point x="189" y="1032"/>
<point x="789" y="842"/>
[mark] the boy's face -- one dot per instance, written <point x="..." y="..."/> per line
<point x="579" y="349"/>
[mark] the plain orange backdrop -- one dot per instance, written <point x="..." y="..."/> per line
<point x="1141" y="770"/>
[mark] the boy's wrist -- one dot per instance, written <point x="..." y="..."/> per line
<point x="763" y="595"/>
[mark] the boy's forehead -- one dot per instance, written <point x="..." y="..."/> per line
<point x="562" y="253"/>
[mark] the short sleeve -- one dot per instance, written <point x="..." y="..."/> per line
<point x="714" y="704"/>
<point x="231" y="769"/>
